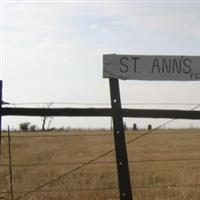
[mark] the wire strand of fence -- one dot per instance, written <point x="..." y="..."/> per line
<point x="100" y="163"/>
<point x="166" y="186"/>
<point x="64" y="190"/>
<point x="57" y="136"/>
<point x="74" y="134"/>
<point x="70" y="135"/>
<point x="100" y="103"/>
<point x="139" y="187"/>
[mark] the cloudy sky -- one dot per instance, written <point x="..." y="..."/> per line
<point x="51" y="51"/>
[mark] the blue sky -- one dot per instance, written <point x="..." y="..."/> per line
<point x="52" y="51"/>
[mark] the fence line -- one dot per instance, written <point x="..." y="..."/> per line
<point x="101" y="112"/>
<point x="107" y="112"/>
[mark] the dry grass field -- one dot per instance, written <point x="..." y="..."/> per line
<point x="164" y="165"/>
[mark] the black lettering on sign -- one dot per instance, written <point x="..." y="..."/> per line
<point x="177" y="66"/>
<point x="155" y="66"/>
<point x="124" y="67"/>
<point x="195" y="76"/>
<point x="187" y="65"/>
<point x="135" y="63"/>
<point x="166" y="66"/>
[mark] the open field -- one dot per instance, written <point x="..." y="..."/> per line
<point x="164" y="165"/>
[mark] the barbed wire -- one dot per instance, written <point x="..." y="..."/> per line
<point x="128" y="133"/>
<point x="100" y="103"/>
<point x="64" y="190"/>
<point x="57" y="136"/>
<point x="148" y="187"/>
<point x="100" y="163"/>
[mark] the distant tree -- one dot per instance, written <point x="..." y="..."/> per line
<point x="47" y="119"/>
<point x="33" y="127"/>
<point x="24" y="126"/>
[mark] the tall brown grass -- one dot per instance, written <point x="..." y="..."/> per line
<point x="163" y="165"/>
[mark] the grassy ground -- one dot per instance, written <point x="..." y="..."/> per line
<point x="164" y="165"/>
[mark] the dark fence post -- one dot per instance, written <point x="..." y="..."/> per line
<point x="0" y="116"/>
<point x="120" y="144"/>
<point x="10" y="165"/>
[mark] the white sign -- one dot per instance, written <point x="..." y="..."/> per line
<point x="141" y="67"/>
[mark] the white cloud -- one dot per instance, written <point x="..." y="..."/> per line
<point x="54" y="51"/>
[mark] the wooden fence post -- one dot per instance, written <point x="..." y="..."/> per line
<point x="0" y="118"/>
<point x="10" y="165"/>
<point x="120" y="144"/>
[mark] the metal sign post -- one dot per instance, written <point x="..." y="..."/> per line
<point x="120" y="144"/>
